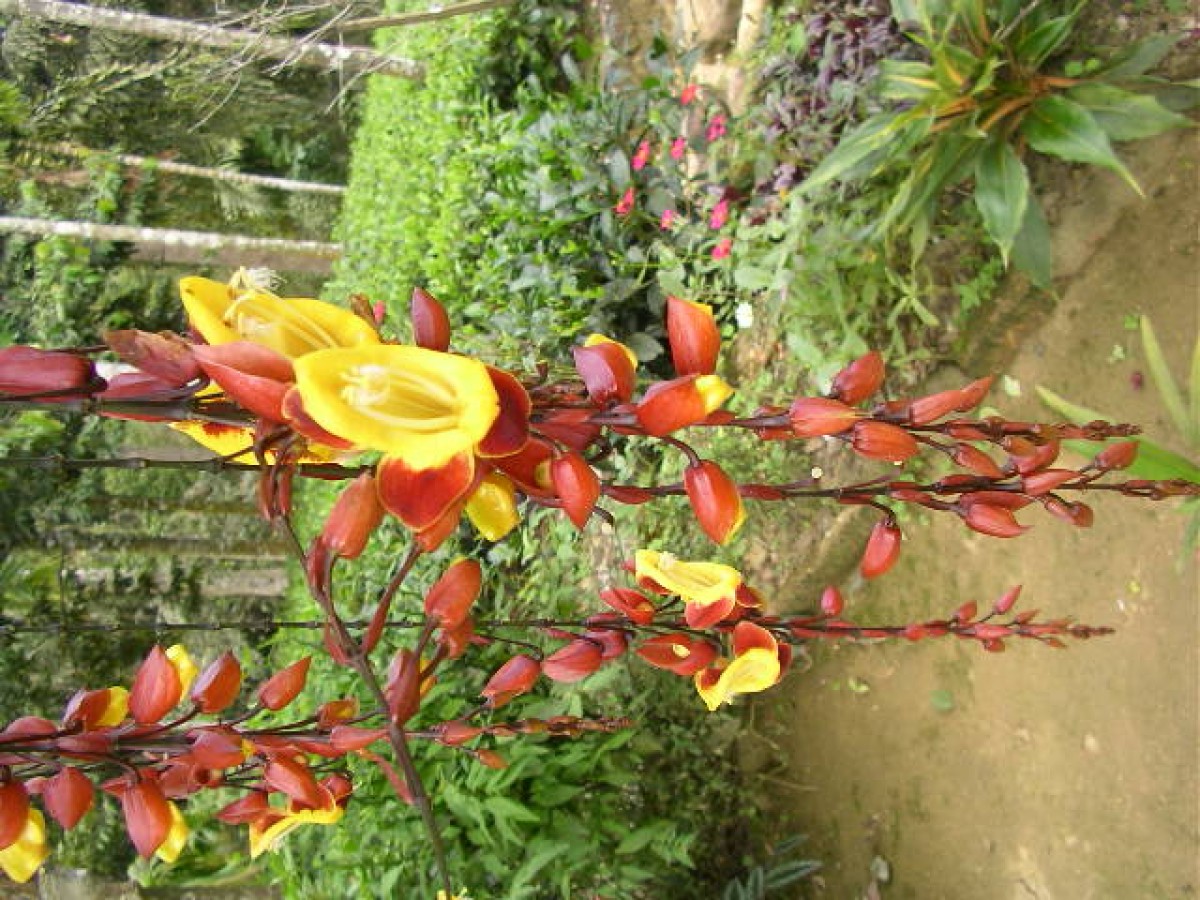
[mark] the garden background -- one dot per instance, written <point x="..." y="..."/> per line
<point x="498" y="184"/>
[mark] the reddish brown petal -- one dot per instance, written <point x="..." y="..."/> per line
<point x="14" y="810"/>
<point x="860" y="380"/>
<point x="246" y="810"/>
<point x="420" y="498"/>
<point x="156" y="689"/>
<point x="629" y="603"/>
<point x="167" y="357"/>
<point x="529" y="469"/>
<point x="995" y="521"/>
<point x="931" y="408"/>
<point x="972" y="395"/>
<point x="749" y="636"/>
<point x="574" y="662"/>
<point x="354" y="517"/>
<point x="403" y="689"/>
<point x="715" y="500"/>
<point x="878" y="440"/>
<point x="67" y="796"/>
<point x="147" y="816"/>
<point x="28" y="370"/>
<point x="285" y="685"/>
<point x="294" y="779"/>
<point x="217" y="686"/>
<point x="577" y="485"/>
<point x="1004" y="499"/>
<point x="670" y="405"/>
<point x="612" y="642"/>
<point x="569" y="427"/>
<point x="449" y="600"/>
<point x="709" y="614"/>
<point x="510" y="432"/>
<point x="85" y="708"/>
<point x="457" y="732"/>
<point x="818" y="416"/>
<point x="431" y="325"/>
<point x="1046" y="480"/>
<point x="693" y="336"/>
<point x="214" y="748"/>
<point x="1116" y="456"/>
<point x="607" y="372"/>
<point x="336" y="711"/>
<point x="346" y="738"/>
<point x="513" y="678"/>
<point x="883" y="549"/>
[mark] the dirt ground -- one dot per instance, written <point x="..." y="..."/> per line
<point x="1035" y="774"/>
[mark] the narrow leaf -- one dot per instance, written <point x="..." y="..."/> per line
<point x="1160" y="374"/>
<point x="1001" y="193"/>
<point x="1031" y="250"/>
<point x="1060" y="127"/>
<point x="1139" y="58"/>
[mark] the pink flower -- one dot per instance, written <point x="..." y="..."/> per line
<point x="678" y="148"/>
<point x="721" y="250"/>
<point x="688" y="94"/>
<point x="642" y="156"/>
<point x="625" y="205"/>
<point x="716" y="128"/>
<point x="668" y="220"/>
<point x="719" y="216"/>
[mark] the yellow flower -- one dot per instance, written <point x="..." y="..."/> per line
<point x="21" y="859"/>
<point x="701" y="583"/>
<point x="492" y="509"/>
<point x="185" y="668"/>
<point x="755" y="670"/>
<point x="268" y="838"/>
<point x="421" y="406"/>
<point x="293" y="326"/>
<point x="441" y="895"/>
<point x="116" y="710"/>
<point x="168" y="851"/>
<point x="227" y="440"/>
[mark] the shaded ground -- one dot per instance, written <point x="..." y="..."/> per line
<point x="1036" y="773"/>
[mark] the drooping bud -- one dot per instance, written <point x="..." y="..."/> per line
<point x="147" y="815"/>
<point x="156" y="689"/>
<point x="995" y="521"/>
<point x="860" y="380"/>
<point x="28" y="370"/>
<point x="354" y="517"/>
<point x="1116" y="456"/>
<point x="347" y="738"/>
<point x="14" y="810"/>
<point x="285" y="685"/>
<point x="1006" y="602"/>
<point x="431" y="325"/>
<point x="818" y="416"/>
<point x="972" y="395"/>
<point x="449" y="600"/>
<point x="670" y="405"/>
<point x="629" y="603"/>
<point x="217" y="686"/>
<point x="512" y="679"/>
<point x="574" y="662"/>
<point x="295" y="779"/>
<point x="67" y="796"/>
<point x="928" y="409"/>
<point x="606" y="370"/>
<point x="879" y="440"/>
<point x="693" y="336"/>
<point x="976" y="461"/>
<point x="403" y="688"/>
<point x="167" y="357"/>
<point x="577" y="485"/>
<point x="1045" y="480"/>
<point x="832" y="602"/>
<point x="883" y="549"/>
<point x="715" y="500"/>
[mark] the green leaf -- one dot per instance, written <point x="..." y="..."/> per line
<point x="905" y="80"/>
<point x="1031" y="251"/>
<point x="1138" y="59"/>
<point x="505" y="809"/>
<point x="1001" y="193"/>
<point x="1160" y="374"/>
<point x="790" y="872"/>
<point x="1037" y="46"/>
<point x="1126" y="116"/>
<point x="1060" y="127"/>
<point x="858" y="152"/>
<point x="1194" y="387"/>
<point x="636" y="840"/>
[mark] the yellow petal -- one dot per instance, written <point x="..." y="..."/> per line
<point x="700" y="583"/>
<point x="116" y="710"/>
<point x="21" y="859"/>
<point x="492" y="509"/>
<point x="185" y="667"/>
<point x="714" y="391"/>
<point x="420" y="405"/>
<point x="755" y="670"/>
<point x="264" y="839"/>
<point x="593" y="339"/>
<point x="169" y="850"/>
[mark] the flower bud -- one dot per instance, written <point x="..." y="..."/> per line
<point x="156" y="689"/>
<point x="67" y="796"/>
<point x="513" y="678"/>
<point x="832" y="602"/>
<point x="629" y="603"/>
<point x="574" y="662"/>
<point x="1116" y="456"/>
<point x="693" y="336"/>
<point x="217" y="686"/>
<point x="860" y="380"/>
<point x="715" y="500"/>
<point x="285" y="685"/>
<point x="879" y="440"/>
<point x="28" y="370"/>
<point x="1045" y="480"/>
<point x="995" y="521"/>
<point x="928" y="409"/>
<point x="818" y="416"/>
<point x="883" y="549"/>
<point x="670" y="405"/>
<point x="430" y="324"/>
<point x="577" y="485"/>
<point x="449" y="600"/>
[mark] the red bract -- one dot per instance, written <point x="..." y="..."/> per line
<point x="860" y="380"/>
<point x="972" y="395"/>
<point x="294" y="779"/>
<point x="430" y="324"/>
<point x="1038" y="458"/>
<point x="147" y="815"/>
<point x="420" y="499"/>
<point x="715" y="500"/>
<point x="28" y="370"/>
<point x="693" y="336"/>
<point x="247" y="809"/>
<point x="574" y="662"/>
<point x="167" y="357"/>
<point x="607" y="371"/>
<point x="678" y="653"/>
<point x="818" y="416"/>
<point x="1116" y="456"/>
<point x="577" y="484"/>
<point x="976" y="460"/>
<point x="510" y="432"/>
<point x="354" y="517"/>
<point x="217" y="686"/>
<point x="449" y="600"/>
<point x="285" y="685"/>
<point x="14" y="810"/>
<point x="156" y="689"/>
<point x="879" y="440"/>
<point x="67" y="796"/>
<point x="883" y="549"/>
<point x="629" y="603"/>
<point x="513" y="678"/>
<point x="214" y="748"/>
<point x="995" y="521"/>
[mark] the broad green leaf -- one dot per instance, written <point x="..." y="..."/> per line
<point x="905" y="80"/>
<point x="1031" y="251"/>
<point x="618" y="169"/>
<point x="1153" y="461"/>
<point x="503" y="809"/>
<point x="1126" y="116"/>
<point x="1168" y="390"/>
<point x="1138" y="59"/>
<point x="1001" y="193"/>
<point x="876" y="139"/>
<point x="1060" y="127"/>
<point x="636" y="840"/>
<point x="790" y="872"/>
